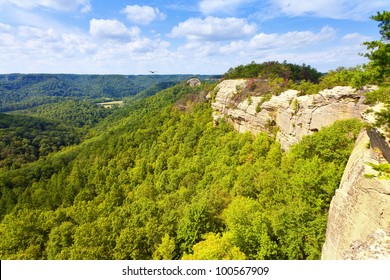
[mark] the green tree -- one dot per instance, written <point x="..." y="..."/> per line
<point x="215" y="247"/>
<point x="379" y="50"/>
<point x="250" y="229"/>
<point x="60" y="239"/>
<point x="166" y="249"/>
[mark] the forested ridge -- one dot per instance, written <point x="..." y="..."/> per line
<point x="23" y="91"/>
<point x="162" y="182"/>
<point x="158" y="179"/>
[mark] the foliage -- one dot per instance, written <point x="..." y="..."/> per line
<point x="272" y="78"/>
<point x="159" y="181"/>
<point x="382" y="94"/>
<point x="379" y="51"/>
<point x="379" y="67"/>
<point x="382" y="168"/>
<point x="79" y="114"/>
<point x="23" y="91"/>
<point x="215" y="247"/>
<point x="274" y="69"/>
<point x="25" y="139"/>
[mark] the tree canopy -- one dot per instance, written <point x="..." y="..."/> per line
<point x="160" y="181"/>
<point x="273" y="69"/>
<point x="157" y="178"/>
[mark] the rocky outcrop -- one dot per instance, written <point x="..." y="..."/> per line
<point x="243" y="116"/>
<point x="359" y="215"/>
<point x="291" y="115"/>
<point x="194" y="82"/>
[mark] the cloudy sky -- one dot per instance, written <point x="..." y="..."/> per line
<point x="177" y="36"/>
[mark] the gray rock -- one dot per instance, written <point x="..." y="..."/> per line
<point x="194" y="82"/>
<point x="294" y="116"/>
<point x="359" y="216"/>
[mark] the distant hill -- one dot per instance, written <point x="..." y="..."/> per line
<point x="22" y="91"/>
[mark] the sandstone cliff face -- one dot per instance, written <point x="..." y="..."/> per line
<point x="359" y="215"/>
<point x="294" y="116"/>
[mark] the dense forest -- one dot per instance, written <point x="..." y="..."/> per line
<point x="156" y="182"/>
<point x="158" y="179"/>
<point x="21" y="91"/>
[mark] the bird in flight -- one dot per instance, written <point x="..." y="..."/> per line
<point x="152" y="71"/>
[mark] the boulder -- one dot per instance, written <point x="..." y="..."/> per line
<point x="194" y="82"/>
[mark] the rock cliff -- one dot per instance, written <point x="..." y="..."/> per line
<point x="291" y="115"/>
<point x="359" y="215"/>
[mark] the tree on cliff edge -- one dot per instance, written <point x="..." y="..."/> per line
<point x="379" y="51"/>
<point x="379" y="66"/>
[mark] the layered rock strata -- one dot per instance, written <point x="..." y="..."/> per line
<point x="291" y="115"/>
<point x="359" y="215"/>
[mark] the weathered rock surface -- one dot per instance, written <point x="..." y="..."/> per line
<point x="359" y="215"/>
<point x="374" y="246"/>
<point x="194" y="82"/>
<point x="293" y="115"/>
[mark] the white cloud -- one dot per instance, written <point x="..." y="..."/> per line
<point x="356" y="37"/>
<point x="199" y="49"/>
<point x="6" y="36"/>
<point x="234" y="47"/>
<point x="337" y="9"/>
<point x="28" y="32"/>
<point x="214" y="29"/>
<point x="62" y="5"/>
<point x="143" y="14"/>
<point x="263" y="42"/>
<point x="112" y="29"/>
<point x="294" y="39"/>
<point x="209" y="7"/>
<point x="33" y="40"/>
<point x="5" y="27"/>
<point x="322" y="60"/>
<point x="260" y="45"/>
<point x="77" y="44"/>
<point x="110" y="47"/>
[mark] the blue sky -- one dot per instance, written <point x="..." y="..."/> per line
<point x="181" y="37"/>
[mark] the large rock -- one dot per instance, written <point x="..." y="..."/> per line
<point x="194" y="82"/>
<point x="359" y="215"/>
<point x="294" y="116"/>
<point x="243" y="116"/>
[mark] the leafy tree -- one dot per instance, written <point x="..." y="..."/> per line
<point x="379" y="50"/>
<point x="250" y="230"/>
<point x="215" y="247"/>
<point x="25" y="139"/>
<point x="274" y="69"/>
<point x="166" y="249"/>
<point x="195" y="223"/>
<point x="157" y="179"/>
<point x="60" y="239"/>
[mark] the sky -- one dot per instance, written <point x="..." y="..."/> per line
<point x="182" y="37"/>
